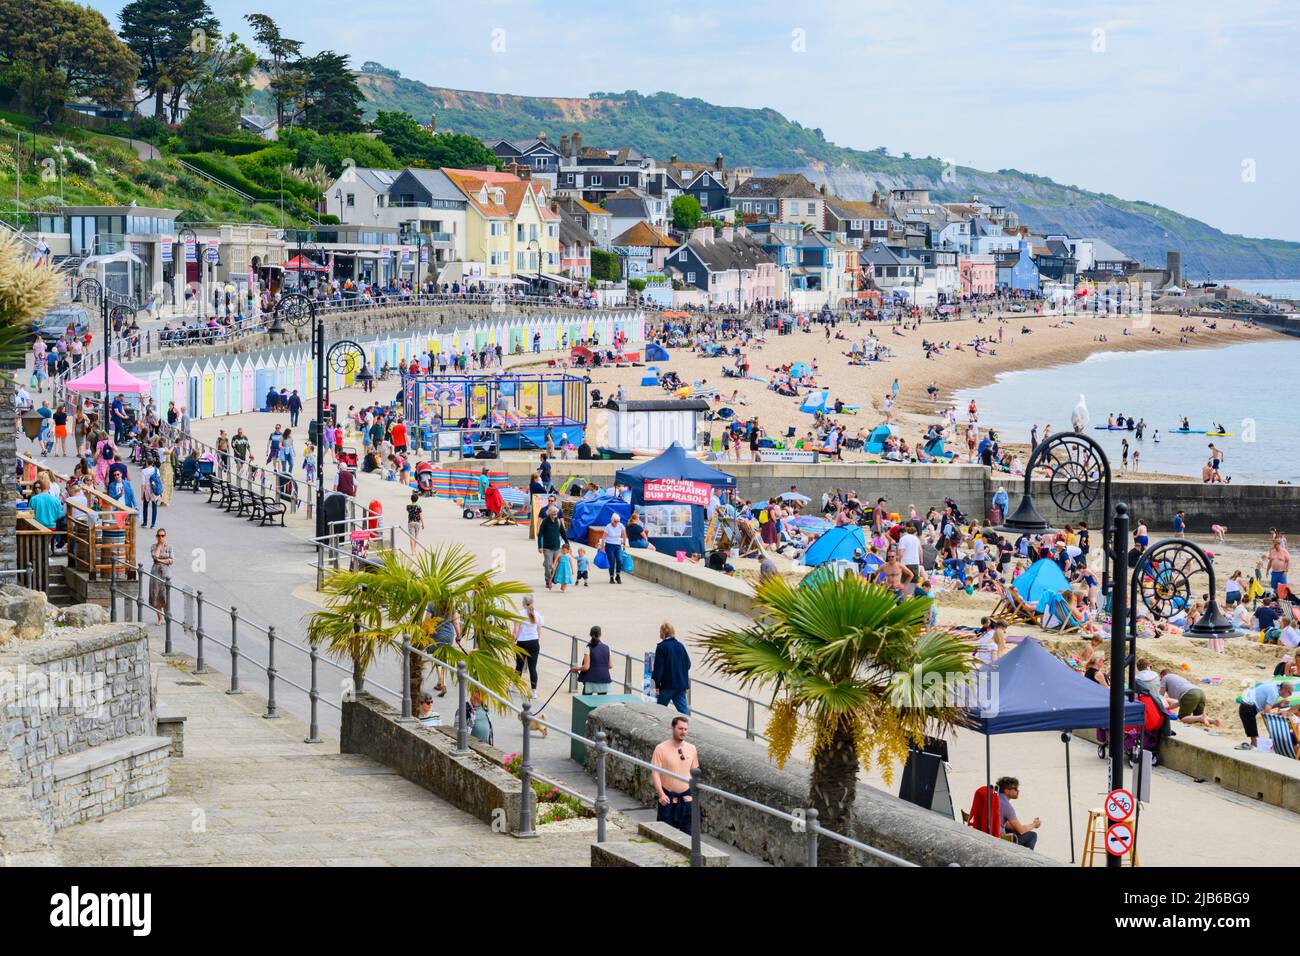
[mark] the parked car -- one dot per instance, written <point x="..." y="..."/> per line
<point x="54" y="323"/>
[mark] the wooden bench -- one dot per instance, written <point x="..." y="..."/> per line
<point x="217" y="488"/>
<point x="246" y="501"/>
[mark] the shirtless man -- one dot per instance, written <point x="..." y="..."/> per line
<point x="676" y="756"/>
<point x="1279" y="562"/>
<point x="896" y="574"/>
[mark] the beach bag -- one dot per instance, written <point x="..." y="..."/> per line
<point x="625" y="562"/>
<point x="601" y="560"/>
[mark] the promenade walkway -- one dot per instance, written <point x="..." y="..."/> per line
<point x="249" y="792"/>
<point x="268" y="574"/>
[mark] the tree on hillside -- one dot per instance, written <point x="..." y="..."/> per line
<point x="173" y="39"/>
<point x="219" y="92"/>
<point x="281" y="53"/>
<point x="333" y="150"/>
<point x="51" y="50"/>
<point x="414" y="145"/>
<point x="687" y="212"/>
<point x="331" y="99"/>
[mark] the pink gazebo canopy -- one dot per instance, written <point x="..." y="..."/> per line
<point x="119" y="380"/>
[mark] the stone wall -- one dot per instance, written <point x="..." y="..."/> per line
<point x="73" y="692"/>
<point x="475" y="781"/>
<point x="742" y="767"/>
<point x="1243" y="507"/>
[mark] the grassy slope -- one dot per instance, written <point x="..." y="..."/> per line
<point x="120" y="178"/>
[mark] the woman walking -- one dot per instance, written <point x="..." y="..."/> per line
<point x="160" y="574"/>
<point x="528" y="642"/>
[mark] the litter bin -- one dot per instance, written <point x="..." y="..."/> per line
<point x="584" y="704"/>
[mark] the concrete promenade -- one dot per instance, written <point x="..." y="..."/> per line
<point x="267" y="573"/>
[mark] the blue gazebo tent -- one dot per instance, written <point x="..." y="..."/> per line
<point x="1040" y="582"/>
<point x="674" y="463"/>
<point x="1036" y="691"/>
<point x="837" y="544"/>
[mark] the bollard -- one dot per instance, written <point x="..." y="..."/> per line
<point x="697" y="854"/>
<point x="139" y="593"/>
<point x="313" y="695"/>
<point x="167" y="618"/>
<point x="526" y="774"/>
<point x="270" y="672"/>
<point x="406" y="679"/>
<point x="112" y="590"/>
<point x="462" y="691"/>
<point x="234" y="652"/>
<point x="749" y="718"/>
<point x="198" y="633"/>
<point x="573" y="662"/>
<point x="602" y="800"/>
<point x="811" y="828"/>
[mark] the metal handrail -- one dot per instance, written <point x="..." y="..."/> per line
<point x="808" y="821"/>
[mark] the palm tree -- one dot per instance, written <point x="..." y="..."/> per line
<point x="400" y="599"/>
<point x="852" y="671"/>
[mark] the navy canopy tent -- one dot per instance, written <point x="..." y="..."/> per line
<point x="1034" y="690"/>
<point x="1037" y="691"/>
<point x="673" y="464"/>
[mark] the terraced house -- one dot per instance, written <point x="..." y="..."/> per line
<point x="512" y="235"/>
<point x="791" y="198"/>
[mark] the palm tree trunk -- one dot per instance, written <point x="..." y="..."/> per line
<point x="833" y="789"/>
<point x="417" y="677"/>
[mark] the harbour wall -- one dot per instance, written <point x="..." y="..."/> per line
<point x="1244" y="508"/>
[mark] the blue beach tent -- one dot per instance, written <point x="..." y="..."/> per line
<point x="838" y="544"/>
<point x="1040" y="582"/>
<point x="814" y="402"/>
<point x="876" y="443"/>
<point x="656" y="353"/>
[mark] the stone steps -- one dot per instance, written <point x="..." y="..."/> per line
<point x="654" y="845"/>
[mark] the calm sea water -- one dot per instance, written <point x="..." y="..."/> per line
<point x="1274" y="288"/>
<point x="1241" y="386"/>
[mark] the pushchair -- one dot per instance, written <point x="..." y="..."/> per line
<point x="1155" y="727"/>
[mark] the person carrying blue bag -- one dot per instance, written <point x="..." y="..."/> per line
<point x="615" y="541"/>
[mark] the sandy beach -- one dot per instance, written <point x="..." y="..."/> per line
<point x="1048" y="343"/>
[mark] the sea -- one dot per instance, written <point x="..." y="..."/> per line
<point x="1273" y="288"/>
<point x="1246" y="387"/>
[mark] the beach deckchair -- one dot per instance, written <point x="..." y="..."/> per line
<point x="1057" y="616"/>
<point x="1279" y="729"/>
<point x="1013" y="609"/>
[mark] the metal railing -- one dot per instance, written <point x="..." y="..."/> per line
<point x="805" y="821"/>
<point x="135" y="597"/>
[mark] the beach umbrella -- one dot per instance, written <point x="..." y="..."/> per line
<point x="795" y="496"/>
<point x="809" y="524"/>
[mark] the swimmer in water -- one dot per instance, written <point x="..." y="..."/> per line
<point x="1155" y="436"/>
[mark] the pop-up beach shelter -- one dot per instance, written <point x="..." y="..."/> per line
<point x="655" y="352"/>
<point x="814" y="402"/>
<point x="119" y="380"/>
<point x="671" y="494"/>
<point x="1039" y="583"/>
<point x="876" y="442"/>
<point x="1032" y="690"/>
<point x="837" y="544"/>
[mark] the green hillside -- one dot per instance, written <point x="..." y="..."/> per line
<point x="664" y="124"/>
<point x="69" y="165"/>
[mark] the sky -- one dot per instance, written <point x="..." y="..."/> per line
<point x="1191" y="104"/>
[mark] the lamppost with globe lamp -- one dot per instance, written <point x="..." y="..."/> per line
<point x="89" y="290"/>
<point x="343" y="356"/>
